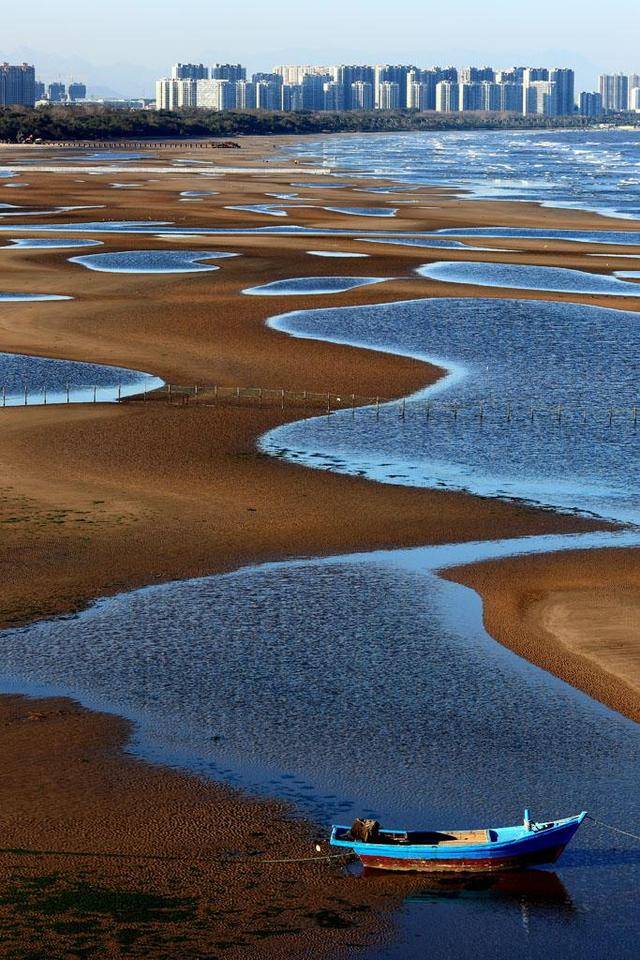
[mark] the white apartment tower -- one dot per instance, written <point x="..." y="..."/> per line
<point x="446" y="96"/>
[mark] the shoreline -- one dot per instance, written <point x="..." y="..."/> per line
<point x="114" y="498"/>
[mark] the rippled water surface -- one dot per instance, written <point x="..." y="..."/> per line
<point x="517" y="276"/>
<point x="36" y="380"/>
<point x="590" y="169"/>
<point x="367" y="684"/>
<point x="152" y="261"/>
<point x="524" y="412"/>
<point x="40" y="243"/>
<point x="299" y="286"/>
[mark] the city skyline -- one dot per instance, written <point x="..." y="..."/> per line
<point x="358" y="32"/>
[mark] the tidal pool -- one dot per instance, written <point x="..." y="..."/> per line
<point x="32" y="296"/>
<point x="516" y="276"/>
<point x="305" y="286"/>
<point x="338" y="254"/>
<point x="152" y="261"/>
<point x="49" y="243"/>
<point x="27" y="380"/>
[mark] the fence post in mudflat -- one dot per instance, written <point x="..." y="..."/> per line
<point x="377" y="408"/>
<point x="304" y="399"/>
<point x="215" y="392"/>
<point x="119" y="392"/>
<point x="353" y="404"/>
<point x="67" y="392"/>
<point x="402" y="408"/>
<point x="260" y="396"/>
<point x="95" y="394"/>
<point x="282" y="399"/>
<point x="168" y="393"/>
<point x="237" y="393"/>
<point x="44" y="395"/>
<point x="195" y="393"/>
<point x="26" y="394"/>
<point x="328" y="404"/>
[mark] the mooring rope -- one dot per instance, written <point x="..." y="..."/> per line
<point x="27" y="852"/>
<point x="609" y="826"/>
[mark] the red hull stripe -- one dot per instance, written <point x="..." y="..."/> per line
<point x="462" y="866"/>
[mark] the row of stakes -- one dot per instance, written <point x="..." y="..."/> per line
<point x="454" y="408"/>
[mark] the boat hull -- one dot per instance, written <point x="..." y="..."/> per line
<point x="462" y="865"/>
<point x="462" y="852"/>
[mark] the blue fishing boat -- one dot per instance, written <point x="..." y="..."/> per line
<point x="463" y="851"/>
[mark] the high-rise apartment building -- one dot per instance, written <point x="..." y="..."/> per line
<point x="387" y="73"/>
<point x="389" y="95"/>
<point x="419" y="96"/>
<point x="361" y="95"/>
<point x="614" y="90"/>
<point x="268" y="94"/>
<point x="77" y="91"/>
<point x="313" y="90"/>
<point x="347" y="75"/>
<point x="56" y="92"/>
<point x="510" y="97"/>
<point x="446" y="97"/>
<point x="590" y="104"/>
<point x="470" y="96"/>
<point x="176" y="94"/>
<point x="245" y="95"/>
<point x="564" y="81"/>
<point x="294" y="73"/>
<point x="426" y="95"/>
<point x="228" y="71"/>
<point x="476" y="74"/>
<point x="189" y="71"/>
<point x="291" y="97"/>
<point x="17" y="85"/>
<point x="215" y="94"/>
<point x="541" y="97"/>
<point x="333" y="96"/>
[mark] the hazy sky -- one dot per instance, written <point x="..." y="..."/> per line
<point x="124" y="44"/>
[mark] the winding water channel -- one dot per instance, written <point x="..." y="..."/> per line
<point x="373" y="687"/>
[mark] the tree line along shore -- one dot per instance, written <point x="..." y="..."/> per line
<point x="54" y="124"/>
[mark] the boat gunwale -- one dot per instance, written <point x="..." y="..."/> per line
<point x="456" y="848"/>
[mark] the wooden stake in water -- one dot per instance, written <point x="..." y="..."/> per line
<point x="25" y="394"/>
<point x="95" y="394"/>
<point x="328" y="404"/>
<point x="44" y="395"/>
<point x="402" y="408"/>
<point x="67" y="390"/>
<point x="4" y="396"/>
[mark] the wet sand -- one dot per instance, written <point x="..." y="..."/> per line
<point x="576" y="614"/>
<point x="94" y="500"/>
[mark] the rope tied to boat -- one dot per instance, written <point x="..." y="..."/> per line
<point x="609" y="826"/>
